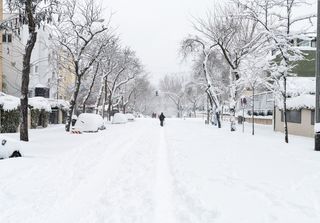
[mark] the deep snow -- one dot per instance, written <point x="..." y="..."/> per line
<point x="139" y="172"/>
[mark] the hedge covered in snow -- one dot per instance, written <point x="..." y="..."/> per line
<point x="9" y="120"/>
<point x="40" y="109"/>
<point x="39" y="117"/>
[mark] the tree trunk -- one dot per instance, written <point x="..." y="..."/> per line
<point x="24" y="135"/>
<point x="218" y="119"/>
<point x="73" y="102"/>
<point x="109" y="107"/>
<point x="233" y="100"/>
<point x="252" y="115"/>
<point x="100" y="94"/>
<point x="286" y="137"/>
<point x="105" y="96"/>
<point x="90" y="89"/>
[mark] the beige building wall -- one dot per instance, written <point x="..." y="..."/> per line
<point x="302" y="129"/>
<point x="65" y="73"/>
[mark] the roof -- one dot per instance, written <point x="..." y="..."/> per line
<point x="301" y="92"/>
<point x="40" y="103"/>
<point x="305" y="101"/>
<point x="301" y="85"/>
<point x="59" y="103"/>
<point x="9" y="102"/>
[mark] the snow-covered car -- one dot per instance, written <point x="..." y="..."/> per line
<point x="130" y="117"/>
<point x="89" y="122"/>
<point x="9" y="148"/>
<point x="119" y="118"/>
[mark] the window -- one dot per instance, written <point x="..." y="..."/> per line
<point x="42" y="92"/>
<point x="36" y="69"/>
<point x="7" y="38"/>
<point x="4" y="38"/>
<point x="312" y="117"/>
<point x="293" y="116"/>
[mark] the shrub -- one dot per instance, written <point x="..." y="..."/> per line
<point x="9" y="121"/>
<point x="39" y="118"/>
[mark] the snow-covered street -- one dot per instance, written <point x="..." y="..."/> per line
<point x="185" y="172"/>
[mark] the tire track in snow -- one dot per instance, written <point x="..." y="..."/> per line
<point x="164" y="203"/>
<point x="88" y="192"/>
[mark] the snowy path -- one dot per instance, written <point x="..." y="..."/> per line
<point x="185" y="172"/>
<point x="165" y="206"/>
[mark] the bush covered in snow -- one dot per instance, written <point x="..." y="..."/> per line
<point x="9" y="148"/>
<point x="39" y="118"/>
<point x="119" y="118"/>
<point x="9" y="120"/>
<point x="89" y="122"/>
<point x="9" y="113"/>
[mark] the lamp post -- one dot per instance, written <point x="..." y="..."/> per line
<point x="317" y="109"/>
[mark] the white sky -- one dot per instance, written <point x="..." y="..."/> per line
<point x="154" y="29"/>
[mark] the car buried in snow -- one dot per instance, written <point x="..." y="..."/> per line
<point x="9" y="148"/>
<point x="130" y="117"/>
<point x="89" y="122"/>
<point x="119" y="118"/>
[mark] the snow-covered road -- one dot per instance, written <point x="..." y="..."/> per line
<point x="186" y="172"/>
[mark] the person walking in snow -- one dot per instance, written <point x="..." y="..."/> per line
<point x="161" y="117"/>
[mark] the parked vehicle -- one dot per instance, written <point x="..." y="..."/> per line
<point x="130" y="117"/>
<point x="9" y="148"/>
<point x="119" y="118"/>
<point x="89" y="122"/>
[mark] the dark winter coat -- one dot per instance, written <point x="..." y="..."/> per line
<point x="162" y="117"/>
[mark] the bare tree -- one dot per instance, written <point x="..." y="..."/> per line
<point x="254" y="70"/>
<point x="277" y="27"/>
<point x="143" y="99"/>
<point x="194" y="94"/>
<point x="81" y="32"/>
<point x="173" y="86"/>
<point x="94" y="74"/>
<point x="109" y="65"/>
<point x="33" y="14"/>
<point x="235" y="37"/>
<point x="126" y="69"/>
<point x="193" y="45"/>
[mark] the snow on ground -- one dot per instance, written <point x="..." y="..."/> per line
<point x="139" y="172"/>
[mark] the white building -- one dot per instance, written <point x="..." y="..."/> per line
<point x="42" y="76"/>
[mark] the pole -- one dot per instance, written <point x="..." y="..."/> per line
<point x="317" y="111"/>
<point x="243" y="118"/>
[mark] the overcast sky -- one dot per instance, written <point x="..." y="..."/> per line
<point x="154" y="29"/>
